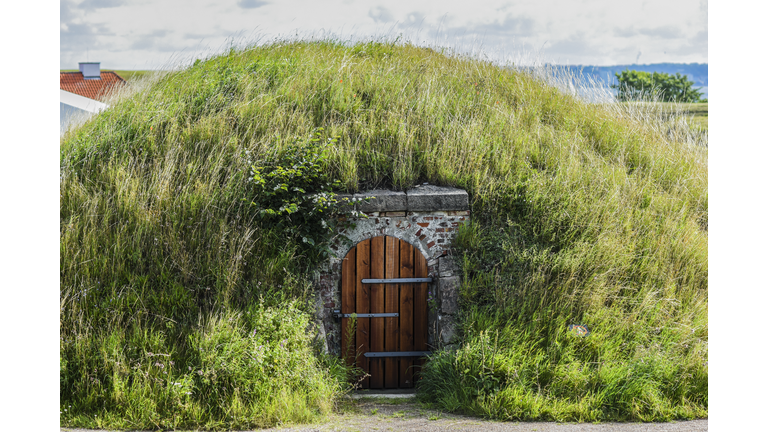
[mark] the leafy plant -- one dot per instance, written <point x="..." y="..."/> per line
<point x="293" y="191"/>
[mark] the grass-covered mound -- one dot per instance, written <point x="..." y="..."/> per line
<point x="184" y="305"/>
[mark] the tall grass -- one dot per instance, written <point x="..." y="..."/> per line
<point x="584" y="212"/>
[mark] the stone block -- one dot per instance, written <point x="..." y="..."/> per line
<point x="447" y="329"/>
<point x="449" y="294"/>
<point x="448" y="266"/>
<point x="381" y="201"/>
<point x="437" y="198"/>
<point x="346" y="201"/>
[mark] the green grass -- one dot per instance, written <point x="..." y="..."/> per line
<point x="583" y="213"/>
<point x="132" y="75"/>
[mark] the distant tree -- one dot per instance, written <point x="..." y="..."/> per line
<point x="634" y="85"/>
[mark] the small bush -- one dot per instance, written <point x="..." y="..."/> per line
<point x="237" y="370"/>
<point x="294" y="194"/>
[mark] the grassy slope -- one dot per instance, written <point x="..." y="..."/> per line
<point x="583" y="214"/>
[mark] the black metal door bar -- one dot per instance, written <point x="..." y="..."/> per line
<point x="398" y="280"/>
<point x="398" y="354"/>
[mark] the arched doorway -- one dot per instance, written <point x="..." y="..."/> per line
<point x="384" y="283"/>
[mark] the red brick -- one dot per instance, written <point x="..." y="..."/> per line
<point x="423" y="224"/>
<point x="430" y="244"/>
<point x="422" y="237"/>
<point x="418" y="233"/>
<point x="440" y="230"/>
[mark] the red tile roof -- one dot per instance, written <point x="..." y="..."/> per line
<point x="91" y="88"/>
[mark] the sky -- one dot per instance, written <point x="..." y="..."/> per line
<point x="153" y="34"/>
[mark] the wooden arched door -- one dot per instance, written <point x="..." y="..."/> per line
<point x="384" y="283"/>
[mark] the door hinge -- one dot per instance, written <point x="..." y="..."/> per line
<point x="398" y="354"/>
<point x="397" y="280"/>
<point x="337" y="315"/>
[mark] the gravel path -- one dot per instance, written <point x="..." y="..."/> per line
<point x="378" y="417"/>
<point x="370" y="416"/>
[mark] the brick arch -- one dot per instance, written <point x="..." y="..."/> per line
<point x="407" y="233"/>
<point x="427" y="217"/>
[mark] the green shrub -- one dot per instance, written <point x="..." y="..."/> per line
<point x="240" y="370"/>
<point x="294" y="194"/>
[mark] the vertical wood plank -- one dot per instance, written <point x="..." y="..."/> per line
<point x="348" y="305"/>
<point x="420" y="310"/>
<point x="363" y="305"/>
<point x="377" y="306"/>
<point x="406" y="314"/>
<point x="392" y="304"/>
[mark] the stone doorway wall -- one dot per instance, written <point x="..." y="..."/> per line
<point x="425" y="216"/>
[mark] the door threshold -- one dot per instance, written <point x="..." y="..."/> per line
<point x="383" y="393"/>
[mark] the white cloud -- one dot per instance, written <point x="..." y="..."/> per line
<point x="251" y="4"/>
<point x="510" y="26"/>
<point x="663" y="32"/>
<point x="413" y="19"/>
<point x="586" y="32"/>
<point x="101" y="4"/>
<point x="381" y="14"/>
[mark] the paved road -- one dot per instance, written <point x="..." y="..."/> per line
<point x="407" y="416"/>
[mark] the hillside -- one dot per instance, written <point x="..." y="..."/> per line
<point x="183" y="306"/>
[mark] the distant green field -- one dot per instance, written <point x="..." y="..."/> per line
<point x="128" y="75"/>
<point x="700" y="114"/>
<point x="697" y="110"/>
